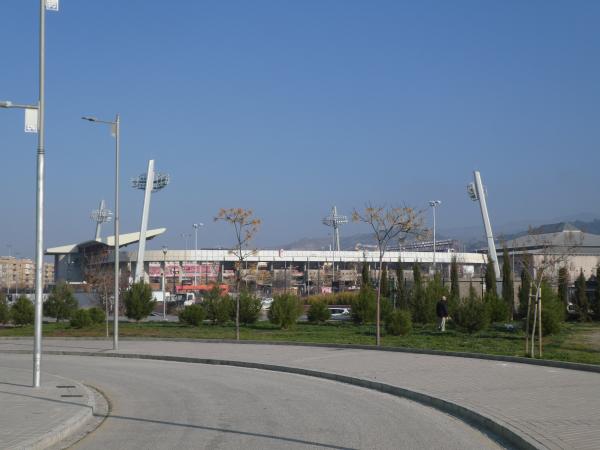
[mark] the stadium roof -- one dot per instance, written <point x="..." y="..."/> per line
<point x="567" y="237"/>
<point x="124" y="240"/>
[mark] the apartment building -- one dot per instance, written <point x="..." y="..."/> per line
<point x="18" y="274"/>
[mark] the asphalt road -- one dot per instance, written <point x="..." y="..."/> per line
<point x="169" y="405"/>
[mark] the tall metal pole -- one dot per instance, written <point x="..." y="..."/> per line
<point x="486" y="223"/>
<point x="39" y="230"/>
<point x="434" y="204"/>
<point x="117" y="157"/>
<point x="434" y="266"/>
<point x="139" y="267"/>
<point x="196" y="226"/>
<point x="163" y="283"/>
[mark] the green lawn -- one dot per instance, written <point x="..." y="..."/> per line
<point x="576" y="343"/>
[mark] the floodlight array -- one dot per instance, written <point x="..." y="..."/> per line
<point x="333" y="220"/>
<point x="101" y="215"/>
<point x="161" y="180"/>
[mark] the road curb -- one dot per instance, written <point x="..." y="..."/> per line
<point x="493" y="427"/>
<point x="67" y="428"/>
<point x="504" y="358"/>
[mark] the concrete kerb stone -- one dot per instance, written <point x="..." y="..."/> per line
<point x="504" y="358"/>
<point x="501" y="431"/>
<point x="67" y="428"/>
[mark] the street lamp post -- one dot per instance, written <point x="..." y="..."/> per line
<point x="116" y="131"/>
<point x="31" y="126"/>
<point x="35" y="123"/>
<point x="164" y="250"/>
<point x="185" y="236"/>
<point x="196" y="226"/>
<point x="434" y="204"/>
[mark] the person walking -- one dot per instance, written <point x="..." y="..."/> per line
<point x="441" y="310"/>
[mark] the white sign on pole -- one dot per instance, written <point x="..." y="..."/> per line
<point x="31" y="120"/>
<point x="113" y="130"/>
<point x="52" y="5"/>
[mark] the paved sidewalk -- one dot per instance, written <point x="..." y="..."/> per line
<point x="552" y="408"/>
<point x="37" y="418"/>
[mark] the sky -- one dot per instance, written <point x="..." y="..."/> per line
<point x="290" y="107"/>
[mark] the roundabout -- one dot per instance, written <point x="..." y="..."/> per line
<point x="163" y="405"/>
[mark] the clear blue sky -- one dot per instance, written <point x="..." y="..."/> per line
<point x="289" y="107"/>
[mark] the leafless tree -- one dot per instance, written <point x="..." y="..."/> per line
<point x="99" y="277"/>
<point x="389" y="224"/>
<point x="245" y="227"/>
<point x="543" y="264"/>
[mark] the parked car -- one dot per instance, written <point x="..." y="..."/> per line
<point x="340" y="313"/>
<point x="266" y="302"/>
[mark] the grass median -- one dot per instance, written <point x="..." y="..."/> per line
<point x="575" y="343"/>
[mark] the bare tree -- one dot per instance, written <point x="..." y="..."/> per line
<point x="245" y="227"/>
<point x="389" y="224"/>
<point x="99" y="277"/>
<point x="543" y="264"/>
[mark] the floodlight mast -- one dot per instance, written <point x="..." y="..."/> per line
<point x="477" y="192"/>
<point x="100" y="216"/>
<point x="334" y="220"/>
<point x="149" y="182"/>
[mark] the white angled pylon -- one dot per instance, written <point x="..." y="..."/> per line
<point x="139" y="268"/>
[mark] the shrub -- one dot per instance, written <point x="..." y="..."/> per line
<point x="250" y="306"/>
<point x="344" y="298"/>
<point x="22" y="312"/>
<point x="219" y="308"/>
<point x="497" y="306"/>
<point x="192" y="315"/>
<point x="398" y="323"/>
<point x="318" y="312"/>
<point x="138" y="301"/>
<point x="422" y="305"/>
<point x="386" y="308"/>
<point x="364" y="306"/>
<point x="552" y="311"/>
<point x="425" y="300"/>
<point x="81" y="318"/>
<point x="338" y="298"/>
<point x="62" y="303"/>
<point x="97" y="315"/>
<point x="285" y="310"/>
<point x="472" y="314"/>
<point x="4" y="311"/>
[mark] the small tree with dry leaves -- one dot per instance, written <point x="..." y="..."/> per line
<point x="543" y="263"/>
<point x="245" y="227"/>
<point x="389" y="224"/>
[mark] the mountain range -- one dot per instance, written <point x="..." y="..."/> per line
<point x="469" y="238"/>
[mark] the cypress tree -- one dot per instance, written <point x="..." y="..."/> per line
<point x="417" y="279"/>
<point x="385" y="282"/>
<point x="581" y="297"/>
<point x="563" y="286"/>
<point x="365" y="275"/>
<point x="418" y="297"/>
<point x="402" y="298"/>
<point x="596" y="305"/>
<point x="508" y="289"/>
<point x="490" y="279"/>
<point x="454" y="286"/>
<point x="524" y="293"/>
<point x="454" y="296"/>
